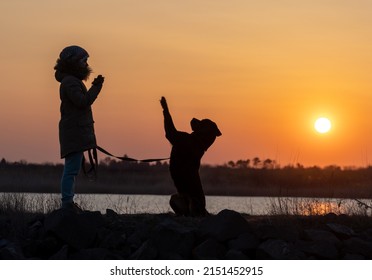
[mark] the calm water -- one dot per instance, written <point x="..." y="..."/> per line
<point x="136" y="204"/>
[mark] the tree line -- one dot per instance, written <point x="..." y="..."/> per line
<point x="253" y="177"/>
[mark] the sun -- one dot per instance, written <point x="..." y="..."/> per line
<point x="322" y="125"/>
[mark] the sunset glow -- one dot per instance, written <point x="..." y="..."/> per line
<point x="264" y="71"/>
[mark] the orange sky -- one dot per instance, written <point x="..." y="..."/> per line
<point x="262" y="70"/>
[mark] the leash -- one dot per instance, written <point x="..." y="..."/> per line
<point x="128" y="158"/>
<point x="91" y="173"/>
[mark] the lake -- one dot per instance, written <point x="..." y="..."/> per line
<point x="137" y="204"/>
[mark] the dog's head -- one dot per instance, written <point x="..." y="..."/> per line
<point x="205" y="127"/>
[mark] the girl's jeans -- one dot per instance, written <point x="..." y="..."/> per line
<point x="70" y="171"/>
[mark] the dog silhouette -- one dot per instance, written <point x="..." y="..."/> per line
<point x="186" y="154"/>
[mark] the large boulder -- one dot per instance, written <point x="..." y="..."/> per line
<point x="167" y="240"/>
<point x="224" y="226"/>
<point x="318" y="249"/>
<point x="276" y="249"/>
<point x="173" y="240"/>
<point x="210" y="249"/>
<point x="245" y="242"/>
<point x="320" y="235"/>
<point x="10" y="251"/>
<point x="341" y="231"/>
<point x="78" y="230"/>
<point x="146" y="251"/>
<point x="358" y="246"/>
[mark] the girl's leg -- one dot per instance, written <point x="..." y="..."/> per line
<point x="70" y="171"/>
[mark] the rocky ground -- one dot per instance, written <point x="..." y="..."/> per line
<point x="64" y="235"/>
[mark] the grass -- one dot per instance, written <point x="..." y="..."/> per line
<point x="39" y="203"/>
<point x="318" y="206"/>
<point x="22" y="202"/>
<point x="18" y="203"/>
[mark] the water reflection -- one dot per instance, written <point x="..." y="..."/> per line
<point x="317" y="206"/>
<point x="137" y="204"/>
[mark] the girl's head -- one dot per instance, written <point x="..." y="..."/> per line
<point x="73" y="60"/>
<point x="73" y="53"/>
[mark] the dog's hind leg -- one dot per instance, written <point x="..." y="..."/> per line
<point x="197" y="206"/>
<point x="180" y="204"/>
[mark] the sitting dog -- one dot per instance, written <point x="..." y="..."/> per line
<point x="187" y="151"/>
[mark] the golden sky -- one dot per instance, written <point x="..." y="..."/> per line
<point x="264" y="71"/>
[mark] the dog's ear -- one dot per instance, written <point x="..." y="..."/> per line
<point x="205" y="125"/>
<point x="211" y="126"/>
<point x="195" y="125"/>
<point x="215" y="129"/>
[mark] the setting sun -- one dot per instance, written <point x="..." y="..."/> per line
<point x="322" y="125"/>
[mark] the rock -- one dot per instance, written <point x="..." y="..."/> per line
<point x="76" y="230"/>
<point x="265" y="232"/>
<point x="111" y="214"/>
<point x="173" y="240"/>
<point x="358" y="246"/>
<point x="138" y="233"/>
<point x="235" y="255"/>
<point x="246" y="243"/>
<point x="286" y="232"/>
<point x="134" y="241"/>
<point x="42" y="248"/>
<point x="5" y="226"/>
<point x="367" y="234"/>
<point x="64" y="235"/>
<point x="94" y="254"/>
<point x="341" y="231"/>
<point x="226" y="225"/>
<point x="319" y="249"/>
<point x="349" y="256"/>
<point x="278" y="250"/>
<point x="321" y="235"/>
<point x="146" y="252"/>
<point x="113" y="240"/>
<point x="62" y="254"/>
<point x="36" y="230"/>
<point x="210" y="249"/>
<point x="331" y="216"/>
<point x="4" y="243"/>
<point x="10" y="251"/>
